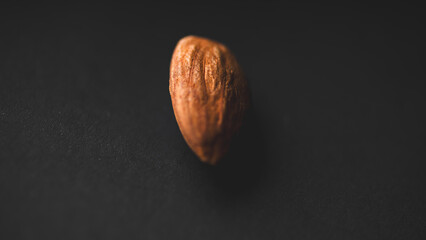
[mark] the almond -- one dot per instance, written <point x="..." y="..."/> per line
<point x="209" y="95"/>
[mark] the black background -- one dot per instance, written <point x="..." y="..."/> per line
<point x="331" y="149"/>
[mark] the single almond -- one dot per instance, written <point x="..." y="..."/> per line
<point x="209" y="95"/>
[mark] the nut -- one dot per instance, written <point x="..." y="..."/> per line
<point x="209" y="95"/>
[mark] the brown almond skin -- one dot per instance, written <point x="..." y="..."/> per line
<point x="209" y="95"/>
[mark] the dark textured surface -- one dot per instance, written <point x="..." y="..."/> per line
<point x="333" y="147"/>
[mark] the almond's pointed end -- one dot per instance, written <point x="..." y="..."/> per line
<point x="213" y="161"/>
<point x="212" y="153"/>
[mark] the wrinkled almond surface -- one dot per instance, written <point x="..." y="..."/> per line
<point x="209" y="95"/>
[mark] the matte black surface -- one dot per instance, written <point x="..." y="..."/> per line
<point x="333" y="147"/>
